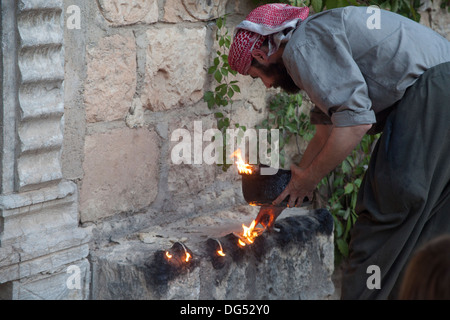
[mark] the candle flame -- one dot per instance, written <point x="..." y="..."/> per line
<point x="249" y="234"/>
<point x="220" y="253"/>
<point x="168" y="255"/>
<point x="188" y="256"/>
<point x="243" y="167"/>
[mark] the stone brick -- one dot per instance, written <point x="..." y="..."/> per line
<point x="111" y="78"/>
<point x="120" y="172"/>
<point x="53" y="285"/>
<point x="175" y="68"/>
<point x="193" y="10"/>
<point x="125" y="12"/>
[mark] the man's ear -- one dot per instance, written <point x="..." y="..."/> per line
<point x="260" y="56"/>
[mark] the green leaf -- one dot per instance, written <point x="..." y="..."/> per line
<point x="331" y="4"/>
<point x="395" y="5"/>
<point x="219" y="23"/>
<point x="208" y="95"/>
<point x="230" y="93"/>
<point x="291" y="127"/>
<point x="342" y="246"/>
<point x="347" y="214"/>
<point x="290" y="112"/>
<point x="346" y="168"/>
<point x="317" y="5"/>
<point x="235" y="87"/>
<point x="212" y="69"/>
<point x="218" y="76"/>
<point x="338" y="227"/>
<point x="224" y="71"/>
<point x="348" y="188"/>
<point x="218" y="115"/>
<point x="209" y="98"/>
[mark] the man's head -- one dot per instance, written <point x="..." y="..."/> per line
<point x="271" y="70"/>
<point x="259" y="42"/>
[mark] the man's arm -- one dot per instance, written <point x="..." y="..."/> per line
<point x="268" y="214"/>
<point x="340" y="143"/>
<point x="315" y="145"/>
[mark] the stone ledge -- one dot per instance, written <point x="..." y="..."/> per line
<point x="295" y="263"/>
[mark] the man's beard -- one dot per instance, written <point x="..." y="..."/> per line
<point x="282" y="78"/>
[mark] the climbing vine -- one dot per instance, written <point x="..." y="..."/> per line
<point x="223" y="93"/>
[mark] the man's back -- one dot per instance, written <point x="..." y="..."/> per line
<point x="340" y="60"/>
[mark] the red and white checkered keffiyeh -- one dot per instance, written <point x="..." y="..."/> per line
<point x="269" y="20"/>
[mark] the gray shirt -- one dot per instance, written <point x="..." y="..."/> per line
<point x="352" y="72"/>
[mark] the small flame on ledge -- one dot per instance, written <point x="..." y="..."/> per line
<point x="249" y="234"/>
<point x="241" y="243"/>
<point x="243" y="168"/>
<point x="220" y="251"/>
<point x="187" y="256"/>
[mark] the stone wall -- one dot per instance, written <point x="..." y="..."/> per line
<point x="138" y="71"/>
<point x="39" y="233"/>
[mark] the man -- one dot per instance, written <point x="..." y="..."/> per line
<point x="395" y="79"/>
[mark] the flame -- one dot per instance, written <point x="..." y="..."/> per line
<point x="243" y="167"/>
<point x="188" y="256"/>
<point x="249" y="234"/>
<point x="168" y="255"/>
<point x="220" y="253"/>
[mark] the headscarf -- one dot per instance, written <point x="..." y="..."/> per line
<point x="276" y="21"/>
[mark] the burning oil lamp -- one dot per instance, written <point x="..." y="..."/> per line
<point x="220" y="251"/>
<point x="187" y="256"/>
<point x="249" y="234"/>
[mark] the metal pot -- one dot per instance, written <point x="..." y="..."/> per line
<point x="261" y="190"/>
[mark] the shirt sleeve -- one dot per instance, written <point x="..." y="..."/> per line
<point x="325" y="69"/>
<point x="317" y="116"/>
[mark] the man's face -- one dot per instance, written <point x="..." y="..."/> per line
<point x="273" y="75"/>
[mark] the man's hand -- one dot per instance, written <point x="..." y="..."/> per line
<point x="300" y="186"/>
<point x="267" y="216"/>
<point x="332" y="146"/>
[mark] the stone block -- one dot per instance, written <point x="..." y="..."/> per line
<point x="195" y="186"/>
<point x="111" y="78"/>
<point x="40" y="231"/>
<point x="125" y="12"/>
<point x="120" y="172"/>
<point x="70" y="282"/>
<point x="193" y="10"/>
<point x="295" y="263"/>
<point x="175" y="67"/>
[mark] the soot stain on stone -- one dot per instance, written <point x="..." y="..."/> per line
<point x="160" y="269"/>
